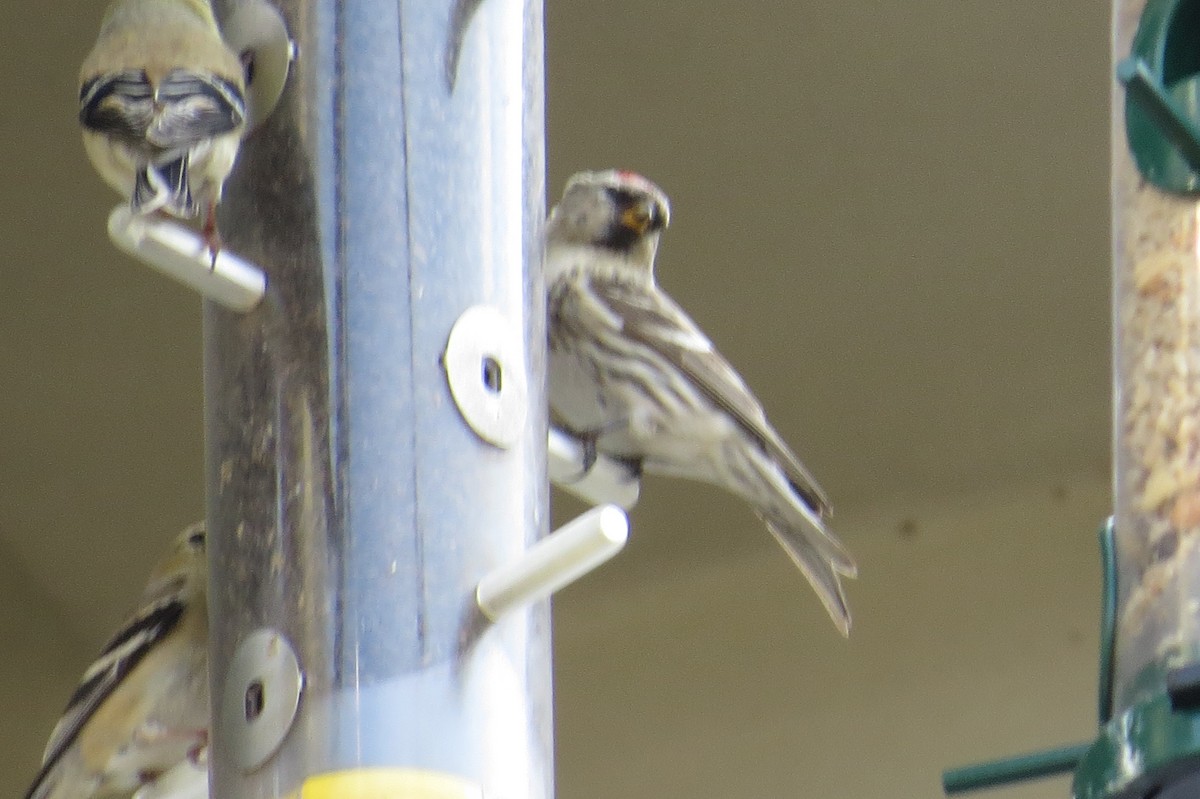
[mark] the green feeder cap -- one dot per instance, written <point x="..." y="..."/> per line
<point x="1162" y="102"/>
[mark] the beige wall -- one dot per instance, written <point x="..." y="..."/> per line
<point x="975" y="636"/>
<point x="40" y="664"/>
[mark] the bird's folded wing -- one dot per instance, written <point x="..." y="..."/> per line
<point x="117" y="104"/>
<point x="106" y="674"/>
<point x="656" y="321"/>
<point x="195" y="106"/>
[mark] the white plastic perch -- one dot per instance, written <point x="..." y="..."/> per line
<point x="556" y="561"/>
<point x="181" y="253"/>
<point x="607" y="481"/>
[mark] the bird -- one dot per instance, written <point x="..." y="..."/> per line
<point x="141" y="707"/>
<point x="162" y="106"/>
<point x="634" y="378"/>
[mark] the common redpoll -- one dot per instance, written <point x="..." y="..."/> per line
<point x="634" y="377"/>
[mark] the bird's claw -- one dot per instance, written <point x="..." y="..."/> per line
<point x="197" y="755"/>
<point x="589" y="443"/>
<point x="632" y="465"/>
<point x="212" y="237"/>
<point x="590" y="454"/>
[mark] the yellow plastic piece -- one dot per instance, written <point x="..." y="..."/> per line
<point x="389" y="783"/>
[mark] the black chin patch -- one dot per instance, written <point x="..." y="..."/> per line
<point x="619" y="238"/>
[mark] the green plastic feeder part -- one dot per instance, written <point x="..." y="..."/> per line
<point x="1162" y="101"/>
<point x="1150" y="751"/>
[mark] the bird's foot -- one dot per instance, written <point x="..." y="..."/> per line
<point x="589" y="443"/>
<point x="631" y="465"/>
<point x="197" y="755"/>
<point x="148" y="775"/>
<point x="212" y="236"/>
<point x="590" y="453"/>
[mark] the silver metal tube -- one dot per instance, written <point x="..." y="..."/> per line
<point x="351" y="508"/>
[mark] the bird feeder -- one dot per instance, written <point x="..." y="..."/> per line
<point x="1151" y="745"/>
<point x="1149" y="740"/>
<point x="375" y="455"/>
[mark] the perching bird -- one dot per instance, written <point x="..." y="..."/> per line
<point x="633" y="377"/>
<point x="142" y="706"/>
<point x="162" y="104"/>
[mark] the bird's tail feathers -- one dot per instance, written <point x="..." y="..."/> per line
<point x="776" y="502"/>
<point x="758" y="479"/>
<point x="165" y="186"/>
<point x="800" y="541"/>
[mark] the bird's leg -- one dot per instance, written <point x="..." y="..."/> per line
<point x="147" y="776"/>
<point x="632" y="465"/>
<point x="589" y="440"/>
<point x="590" y="454"/>
<point x="197" y="756"/>
<point x="212" y="236"/>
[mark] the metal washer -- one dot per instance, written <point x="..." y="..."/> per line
<point x="261" y="696"/>
<point x="485" y="366"/>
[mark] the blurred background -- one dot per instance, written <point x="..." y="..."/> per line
<point x="891" y="216"/>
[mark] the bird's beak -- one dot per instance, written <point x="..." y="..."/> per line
<point x="642" y="217"/>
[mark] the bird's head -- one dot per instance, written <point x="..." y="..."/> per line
<point x="186" y="562"/>
<point x="621" y="214"/>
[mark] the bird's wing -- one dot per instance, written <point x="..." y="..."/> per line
<point x="656" y="321"/>
<point x="117" y="104"/>
<point x="195" y="106"/>
<point x="188" y="107"/>
<point x="122" y="654"/>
